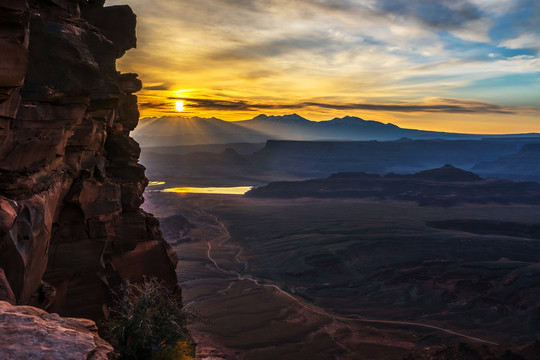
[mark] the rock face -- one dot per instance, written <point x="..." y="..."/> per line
<point x="70" y="183"/>
<point x="31" y="333"/>
<point x="6" y="294"/>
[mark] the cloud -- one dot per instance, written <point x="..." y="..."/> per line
<point x="441" y="106"/>
<point x="521" y="20"/>
<point x="345" y="6"/>
<point x="270" y="48"/>
<point x="440" y="14"/>
<point x="163" y="86"/>
<point x="529" y="40"/>
<point x="154" y="105"/>
<point x="258" y="74"/>
<point x="452" y="107"/>
<point x="232" y="105"/>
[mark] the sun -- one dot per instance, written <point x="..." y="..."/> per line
<point x="179" y="105"/>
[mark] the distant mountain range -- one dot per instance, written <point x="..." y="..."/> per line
<point x="173" y="131"/>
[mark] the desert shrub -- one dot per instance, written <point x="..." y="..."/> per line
<point x="148" y="322"/>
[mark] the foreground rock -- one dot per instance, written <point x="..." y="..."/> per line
<point x="31" y="333"/>
<point x="70" y="183"/>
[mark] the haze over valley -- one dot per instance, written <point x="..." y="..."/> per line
<point x="389" y="248"/>
<point x="179" y="130"/>
<point x="382" y="148"/>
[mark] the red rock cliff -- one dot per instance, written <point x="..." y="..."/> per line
<point x="70" y="182"/>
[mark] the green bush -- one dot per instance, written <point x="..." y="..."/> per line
<point x="148" y="322"/>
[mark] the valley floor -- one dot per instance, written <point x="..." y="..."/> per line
<point x="323" y="279"/>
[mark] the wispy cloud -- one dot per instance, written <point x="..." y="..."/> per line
<point x="454" y="108"/>
<point x="433" y="106"/>
<point x="162" y="86"/>
<point x="269" y="49"/>
<point x="440" y="14"/>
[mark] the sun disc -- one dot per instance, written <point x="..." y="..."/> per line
<point x="179" y="105"/>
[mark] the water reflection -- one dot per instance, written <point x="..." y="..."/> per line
<point x="155" y="183"/>
<point x="235" y="190"/>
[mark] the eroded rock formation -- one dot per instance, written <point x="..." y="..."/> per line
<point x="31" y="333"/>
<point x="70" y="183"/>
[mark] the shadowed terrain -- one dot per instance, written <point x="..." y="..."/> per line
<point x="340" y="278"/>
<point x="257" y="164"/>
<point x="426" y="260"/>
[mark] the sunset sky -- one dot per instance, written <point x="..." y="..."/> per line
<point x="451" y="65"/>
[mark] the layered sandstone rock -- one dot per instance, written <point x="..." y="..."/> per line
<point x="31" y="333"/>
<point x="70" y="183"/>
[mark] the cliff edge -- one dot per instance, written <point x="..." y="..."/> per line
<point x="71" y="227"/>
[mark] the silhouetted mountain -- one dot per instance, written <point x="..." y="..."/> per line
<point x="284" y="119"/>
<point x="291" y="126"/>
<point x="174" y="131"/>
<point x="447" y="173"/>
<point x="443" y="186"/>
<point x="170" y="131"/>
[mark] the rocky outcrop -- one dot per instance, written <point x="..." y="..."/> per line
<point x="70" y="183"/>
<point x="31" y="333"/>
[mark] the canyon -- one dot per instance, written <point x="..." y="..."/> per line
<point x="349" y="278"/>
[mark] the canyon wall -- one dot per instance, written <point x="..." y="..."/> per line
<point x="71" y="227"/>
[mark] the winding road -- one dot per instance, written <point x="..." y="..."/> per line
<point x="311" y="307"/>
